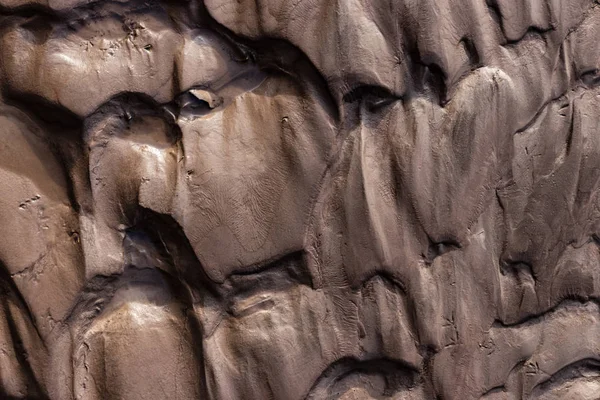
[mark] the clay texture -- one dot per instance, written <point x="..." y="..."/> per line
<point x="288" y="199"/>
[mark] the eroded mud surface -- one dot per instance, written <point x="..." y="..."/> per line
<point x="287" y="199"/>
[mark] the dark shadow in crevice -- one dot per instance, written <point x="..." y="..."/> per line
<point x="587" y="368"/>
<point x="54" y="116"/>
<point x="8" y="289"/>
<point x="517" y="268"/>
<point x="472" y="53"/>
<point x="566" y="301"/>
<point x="427" y="375"/>
<point x="295" y="260"/>
<point x="388" y="279"/>
<point x="591" y="77"/>
<point x="428" y="77"/>
<point x="247" y="292"/>
<point x="381" y="378"/>
<point x="496" y="14"/>
<point x="344" y="373"/>
<point x="436" y="249"/>
<point x="129" y="105"/>
<point x="91" y="9"/>
<point x="494" y="390"/>
<point x="58" y="128"/>
<point x="374" y="98"/>
<point x="29" y="10"/>
<point x="166" y="236"/>
<point x="272" y="54"/>
<point x="532" y="32"/>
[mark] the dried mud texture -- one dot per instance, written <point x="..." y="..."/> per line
<point x="287" y="199"/>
